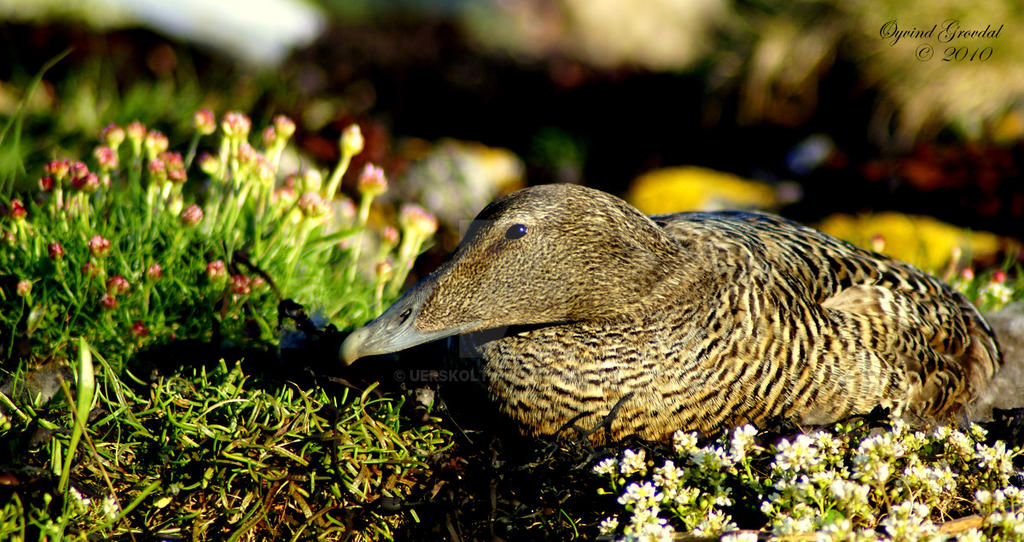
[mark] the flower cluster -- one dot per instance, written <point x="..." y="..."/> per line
<point x="847" y="483"/>
<point x="143" y="227"/>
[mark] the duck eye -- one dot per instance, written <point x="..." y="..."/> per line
<point x="516" y="231"/>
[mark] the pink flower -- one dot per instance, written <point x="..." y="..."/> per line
<point x="372" y="181"/>
<point x="46" y="184"/>
<point x="135" y="131"/>
<point x="312" y="205"/>
<point x="204" y="122"/>
<point x="108" y="302"/>
<point x="117" y="285"/>
<point x="17" y="211"/>
<point x="77" y="169"/>
<point x="155" y="142"/>
<point x="154" y="272"/>
<point x="216" y="271"/>
<point x="24" y="288"/>
<point x="389" y="236"/>
<point x="58" y="168"/>
<point x="414" y="218"/>
<point x="55" y="250"/>
<point x="284" y="126"/>
<point x="999" y="276"/>
<point x="139" y="329"/>
<point x="269" y="136"/>
<point x="88" y="183"/>
<point x="240" y="284"/>
<point x="192" y="215"/>
<point x="112" y="135"/>
<point x="98" y="246"/>
<point x="236" y="125"/>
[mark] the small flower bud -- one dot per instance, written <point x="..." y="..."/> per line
<point x="246" y="154"/>
<point x="192" y="215"/>
<point x="236" y="125"/>
<point x="89" y="183"/>
<point x="312" y="205"/>
<point x="46" y="184"/>
<point x="117" y="285"/>
<point x="269" y="136"/>
<point x="352" y="140"/>
<point x="415" y="219"/>
<point x="24" y="288"/>
<point x="284" y="126"/>
<point x="98" y="246"/>
<point x="58" y="169"/>
<point x="112" y="136"/>
<point x="999" y="276"/>
<point x="967" y="274"/>
<point x="389" y="237"/>
<point x="216" y="271"/>
<point x="154" y="272"/>
<point x="240" y="284"/>
<point x="77" y="169"/>
<point x="157" y="170"/>
<point x="372" y="181"/>
<point x="177" y="175"/>
<point x="139" y="329"/>
<point x="204" y="122"/>
<point x="172" y="160"/>
<point x="311" y="181"/>
<point x="156" y="143"/>
<point x="136" y="132"/>
<point x="55" y="250"/>
<point x="108" y="302"/>
<point x="208" y="163"/>
<point x="17" y="210"/>
<point x="106" y="157"/>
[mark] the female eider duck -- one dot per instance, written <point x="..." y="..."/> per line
<point x="694" y="321"/>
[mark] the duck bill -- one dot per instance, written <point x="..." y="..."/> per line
<point x="396" y="330"/>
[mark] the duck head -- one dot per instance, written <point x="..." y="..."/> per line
<point x="542" y="255"/>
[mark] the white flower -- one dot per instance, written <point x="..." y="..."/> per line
<point x="608" y="525"/>
<point x="908" y="521"/>
<point x="714" y="523"/>
<point x="797" y="456"/>
<point x="710" y="458"/>
<point x="643" y="495"/>
<point x="995" y="457"/>
<point x="633" y="463"/>
<point x="606" y="467"/>
<point x="669" y="478"/>
<point x="742" y="439"/>
<point x="110" y="507"/>
<point x="684" y="443"/>
<point x="80" y="501"/>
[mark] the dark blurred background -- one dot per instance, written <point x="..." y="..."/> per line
<point x="808" y="108"/>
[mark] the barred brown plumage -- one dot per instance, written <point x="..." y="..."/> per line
<point x="697" y="321"/>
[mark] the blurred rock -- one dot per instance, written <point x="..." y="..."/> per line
<point x="920" y="240"/>
<point x="690" y="188"/>
<point x="455" y="179"/>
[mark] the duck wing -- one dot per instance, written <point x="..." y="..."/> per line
<point x="923" y="333"/>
